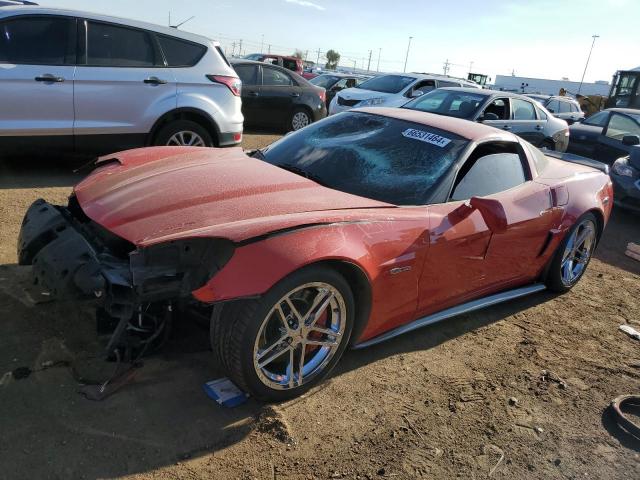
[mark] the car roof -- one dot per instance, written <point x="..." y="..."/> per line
<point x="37" y="10"/>
<point x="470" y="130"/>
<point x="633" y="111"/>
<point x="244" y="61"/>
<point x="485" y="92"/>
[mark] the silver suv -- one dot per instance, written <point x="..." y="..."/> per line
<point x="85" y="82"/>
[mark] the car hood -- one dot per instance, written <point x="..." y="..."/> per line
<point x="157" y="194"/>
<point x="362" y="94"/>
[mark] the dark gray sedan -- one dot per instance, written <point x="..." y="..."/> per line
<point x="506" y="111"/>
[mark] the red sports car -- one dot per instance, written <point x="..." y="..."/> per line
<point x="356" y="229"/>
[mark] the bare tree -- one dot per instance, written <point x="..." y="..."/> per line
<point x="298" y="54"/>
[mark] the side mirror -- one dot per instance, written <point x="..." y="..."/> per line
<point x="492" y="212"/>
<point x="630" y="140"/>
<point x="336" y="88"/>
<point x="417" y="93"/>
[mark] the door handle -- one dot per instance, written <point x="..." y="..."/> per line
<point x="154" y="81"/>
<point x="506" y="127"/>
<point x="47" y="77"/>
<point x="295" y="94"/>
<point x="252" y="94"/>
<point x="539" y="127"/>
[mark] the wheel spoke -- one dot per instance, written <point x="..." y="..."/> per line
<point x="324" y="331"/>
<point x="273" y="356"/>
<point x="586" y="233"/>
<point x="283" y="318"/>
<point x="301" y="364"/>
<point x="322" y="343"/>
<point x="320" y="304"/>
<point x="290" y="368"/>
<point x="294" y="310"/>
<point x="567" y="272"/>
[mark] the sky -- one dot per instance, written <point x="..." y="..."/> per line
<point x="533" y="38"/>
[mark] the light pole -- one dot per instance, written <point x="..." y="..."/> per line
<point x="588" y="58"/>
<point x="379" y="53"/>
<point x="262" y="44"/>
<point x="407" y="57"/>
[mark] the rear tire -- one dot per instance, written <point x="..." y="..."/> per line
<point x="573" y="255"/>
<point x="299" y="119"/>
<point x="263" y="345"/>
<point x="183" y="133"/>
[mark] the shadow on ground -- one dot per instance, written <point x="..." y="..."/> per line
<point x="49" y="430"/>
<point x="623" y="227"/>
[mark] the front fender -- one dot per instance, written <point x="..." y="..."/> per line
<point x="380" y="249"/>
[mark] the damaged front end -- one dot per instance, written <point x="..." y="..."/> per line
<point x="73" y="257"/>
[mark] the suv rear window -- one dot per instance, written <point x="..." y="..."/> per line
<point x="180" y="53"/>
<point x="37" y="41"/>
<point x="115" y="46"/>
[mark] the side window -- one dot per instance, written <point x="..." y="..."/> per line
<point x="38" y="41"/>
<point x="499" y="107"/>
<point x="621" y="125"/>
<point x="344" y="83"/>
<point x="424" y="86"/>
<point x="553" y="106"/>
<point x="180" y="53"/>
<point x="290" y="64"/>
<point x="115" y="46"/>
<point x="541" y="114"/>
<point x="444" y="83"/>
<point x="248" y="74"/>
<point x="522" y="110"/>
<point x="273" y="77"/>
<point x="597" y="119"/>
<point x="490" y="169"/>
<point x="565" y="107"/>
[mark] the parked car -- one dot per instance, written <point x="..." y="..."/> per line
<point x="92" y="83"/>
<point x="294" y="64"/>
<point x="354" y="230"/>
<point x="276" y="97"/>
<point x="506" y="111"/>
<point x="565" y="108"/>
<point x="625" y="173"/>
<point x="606" y="135"/>
<point x="392" y="90"/>
<point x="336" y="82"/>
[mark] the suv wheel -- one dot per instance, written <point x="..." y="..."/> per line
<point x="184" y="133"/>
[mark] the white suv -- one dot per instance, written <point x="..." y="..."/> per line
<point x="91" y="83"/>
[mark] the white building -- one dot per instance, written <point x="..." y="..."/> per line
<point x="549" y="87"/>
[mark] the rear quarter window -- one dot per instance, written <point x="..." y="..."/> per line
<point x="181" y="53"/>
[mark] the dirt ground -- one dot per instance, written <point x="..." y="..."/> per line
<point x="517" y="391"/>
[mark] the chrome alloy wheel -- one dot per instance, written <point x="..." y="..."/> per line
<point x="299" y="336"/>
<point x="186" y="139"/>
<point x="300" y="120"/>
<point x="578" y="252"/>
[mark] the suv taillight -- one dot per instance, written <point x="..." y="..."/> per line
<point x="322" y="94"/>
<point x="233" y="83"/>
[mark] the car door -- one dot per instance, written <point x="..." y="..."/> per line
<point x="37" y="63"/>
<point x="610" y="146"/>
<point x="584" y="136"/>
<point x="248" y="73"/>
<point x="497" y="113"/>
<point x="276" y="94"/>
<point x="525" y="122"/>
<point x="122" y="86"/>
<point x="553" y="105"/>
<point x="466" y="259"/>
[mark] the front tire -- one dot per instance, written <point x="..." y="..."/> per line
<point x="573" y="255"/>
<point x="281" y="345"/>
<point x="299" y="119"/>
<point x="183" y="133"/>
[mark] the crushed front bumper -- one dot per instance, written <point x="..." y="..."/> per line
<point x="73" y="257"/>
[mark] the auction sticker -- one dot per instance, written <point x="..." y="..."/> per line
<point x="427" y="137"/>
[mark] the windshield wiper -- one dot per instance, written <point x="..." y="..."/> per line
<point x="303" y="173"/>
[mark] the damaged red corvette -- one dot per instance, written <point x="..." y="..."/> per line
<point x="356" y="229"/>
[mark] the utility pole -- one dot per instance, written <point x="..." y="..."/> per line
<point x="233" y="49"/>
<point x="470" y="66"/>
<point x="369" y="64"/>
<point x="354" y="64"/>
<point x="306" y="54"/>
<point x="269" y="50"/>
<point x="588" y="58"/>
<point x="446" y="67"/>
<point x="240" y="49"/>
<point x="169" y="17"/>
<point x="379" y="53"/>
<point x="407" y="57"/>
<point x="262" y="44"/>
<point x="318" y="59"/>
